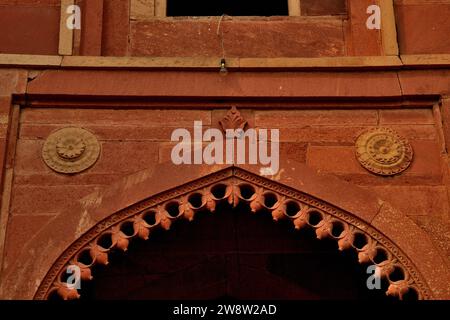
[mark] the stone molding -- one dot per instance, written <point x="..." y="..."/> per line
<point x="391" y="62"/>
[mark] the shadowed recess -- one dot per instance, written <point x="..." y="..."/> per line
<point x="228" y="7"/>
<point x="233" y="254"/>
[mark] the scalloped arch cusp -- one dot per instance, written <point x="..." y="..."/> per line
<point x="234" y="190"/>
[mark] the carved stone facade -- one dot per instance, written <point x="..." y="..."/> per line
<point x="87" y="116"/>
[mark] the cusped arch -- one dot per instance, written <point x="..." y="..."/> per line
<point x="154" y="198"/>
<point x="235" y="185"/>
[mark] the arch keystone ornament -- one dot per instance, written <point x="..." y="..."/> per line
<point x="70" y="150"/>
<point x="384" y="152"/>
<point x="233" y="186"/>
<point x="233" y="120"/>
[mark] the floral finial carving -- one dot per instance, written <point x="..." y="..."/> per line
<point x="233" y="120"/>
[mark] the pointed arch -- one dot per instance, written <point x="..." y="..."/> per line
<point x="135" y="206"/>
<point x="234" y="185"/>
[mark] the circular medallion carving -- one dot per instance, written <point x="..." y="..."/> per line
<point x="383" y="151"/>
<point x="71" y="150"/>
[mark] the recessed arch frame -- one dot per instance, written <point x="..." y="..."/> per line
<point x="235" y="185"/>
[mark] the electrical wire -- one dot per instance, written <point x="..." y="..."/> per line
<point x="220" y="34"/>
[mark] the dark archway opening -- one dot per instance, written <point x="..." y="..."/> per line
<point x="229" y="7"/>
<point x="231" y="254"/>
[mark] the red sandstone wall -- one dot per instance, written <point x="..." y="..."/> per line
<point x="422" y="25"/>
<point x="133" y="140"/>
<point x="271" y="37"/>
<point x="110" y="28"/>
<point x="326" y="28"/>
<point x="29" y="26"/>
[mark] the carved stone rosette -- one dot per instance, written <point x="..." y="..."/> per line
<point x="234" y="186"/>
<point x="71" y="150"/>
<point x="383" y="152"/>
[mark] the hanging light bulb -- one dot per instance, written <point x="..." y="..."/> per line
<point x="223" y="67"/>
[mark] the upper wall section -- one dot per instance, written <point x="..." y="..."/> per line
<point x="423" y="26"/>
<point x="262" y="37"/>
<point x="326" y="28"/>
<point x="141" y="28"/>
<point x="29" y="26"/>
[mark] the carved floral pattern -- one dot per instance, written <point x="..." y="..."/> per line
<point x="233" y="120"/>
<point x="233" y="186"/>
<point x="71" y="150"/>
<point x="383" y="151"/>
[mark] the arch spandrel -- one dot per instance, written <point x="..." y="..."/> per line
<point x="104" y="211"/>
